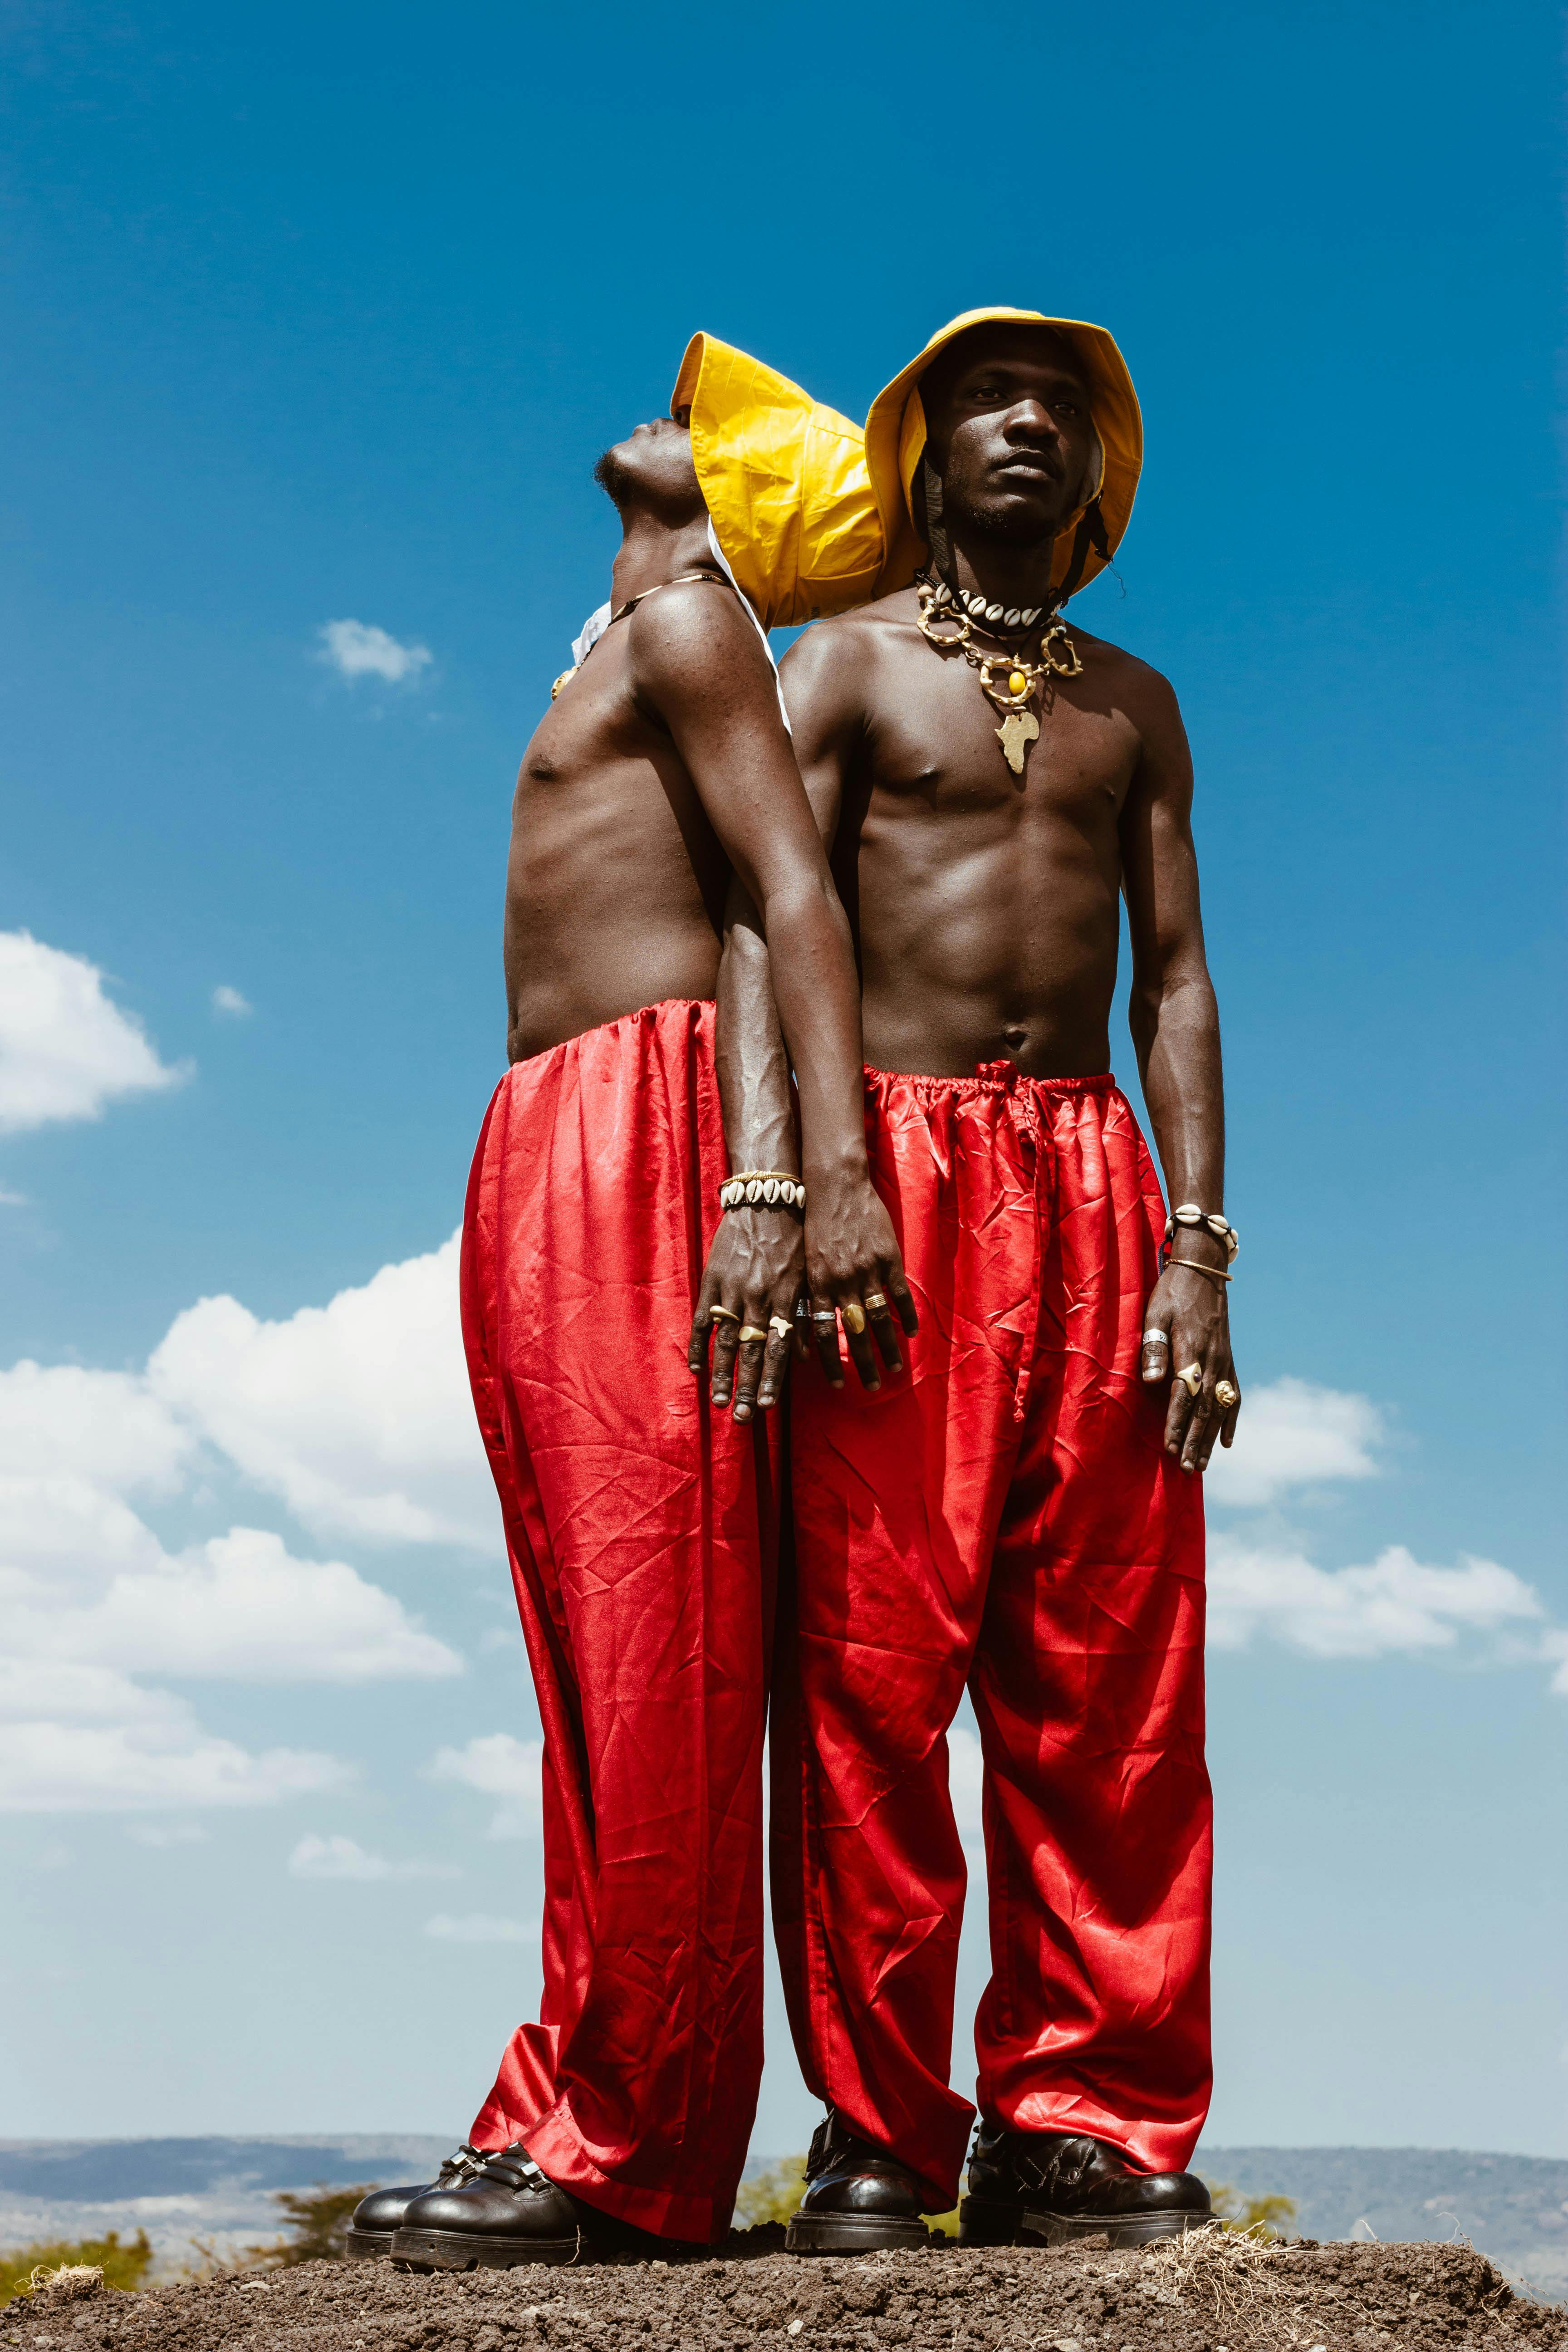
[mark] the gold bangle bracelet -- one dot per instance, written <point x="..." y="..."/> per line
<point x="1192" y="1267"/>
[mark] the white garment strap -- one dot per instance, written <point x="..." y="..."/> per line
<point x="722" y="561"/>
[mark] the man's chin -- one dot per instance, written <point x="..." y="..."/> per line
<point x="1018" y="519"/>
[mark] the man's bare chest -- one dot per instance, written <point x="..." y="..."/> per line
<point x="593" y="724"/>
<point x="937" y="744"/>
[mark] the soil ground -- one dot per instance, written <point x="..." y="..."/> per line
<point x="1211" y="2294"/>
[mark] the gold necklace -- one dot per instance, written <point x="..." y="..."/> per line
<point x="1058" y="657"/>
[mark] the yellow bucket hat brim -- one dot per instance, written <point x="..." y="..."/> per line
<point x="786" y="483"/>
<point x="896" y="439"/>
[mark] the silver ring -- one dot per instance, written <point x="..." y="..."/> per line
<point x="1156" y="1338"/>
<point x="824" y="1315"/>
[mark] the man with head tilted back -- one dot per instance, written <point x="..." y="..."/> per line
<point x="639" y="1523"/>
<point x="1020" y="1511"/>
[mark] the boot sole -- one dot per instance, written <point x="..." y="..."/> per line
<point x="983" y="2223"/>
<point x="368" y="2245"/>
<point x="851" y="2233"/>
<point x="1116" y="2229"/>
<point x="460" y="2249"/>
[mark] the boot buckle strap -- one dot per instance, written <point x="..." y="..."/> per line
<point x="515" y="2168"/>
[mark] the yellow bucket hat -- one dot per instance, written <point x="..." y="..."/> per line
<point x="896" y="439"/>
<point x="786" y="483"/>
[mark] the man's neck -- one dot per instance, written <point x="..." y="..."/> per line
<point x="653" y="551"/>
<point x="1004" y="572"/>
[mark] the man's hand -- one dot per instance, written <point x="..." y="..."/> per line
<point x="755" y="1271"/>
<point x="855" y="1269"/>
<point x="1185" y="1323"/>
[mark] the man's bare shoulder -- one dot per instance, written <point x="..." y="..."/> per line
<point x="1128" y="673"/>
<point x="693" y="643"/>
<point x="689" y="619"/>
<point x="836" y="651"/>
<point x="844" y="633"/>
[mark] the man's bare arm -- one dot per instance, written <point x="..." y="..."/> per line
<point x="754" y="1077"/>
<point x="1174" y="1022"/>
<point x="697" y="664"/>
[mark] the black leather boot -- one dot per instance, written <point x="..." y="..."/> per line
<point x="858" y="2197"/>
<point x="377" y="2216"/>
<point x="1051" y="2187"/>
<point x="507" y="2212"/>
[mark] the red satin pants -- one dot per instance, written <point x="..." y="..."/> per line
<point x="641" y="1528"/>
<point x="1003" y="1516"/>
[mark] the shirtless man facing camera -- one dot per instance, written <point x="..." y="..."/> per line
<point x="1021" y="1514"/>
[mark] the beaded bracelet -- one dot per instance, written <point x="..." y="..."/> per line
<point x="767" y="1187"/>
<point x="1191" y="1215"/>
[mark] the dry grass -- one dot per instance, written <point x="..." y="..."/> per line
<point x="1221" y="2273"/>
<point x="70" y="2281"/>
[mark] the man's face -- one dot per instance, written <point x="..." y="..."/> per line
<point x="653" y="469"/>
<point x="1009" y="431"/>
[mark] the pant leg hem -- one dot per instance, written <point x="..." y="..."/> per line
<point x="556" y="2147"/>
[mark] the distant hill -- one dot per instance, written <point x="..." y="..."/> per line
<point x="1503" y="2204"/>
<point x="179" y="2191"/>
<point x="104" y="2171"/>
<point x="1512" y="2208"/>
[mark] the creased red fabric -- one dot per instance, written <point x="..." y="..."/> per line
<point x="641" y="1530"/>
<point x="1003" y="1515"/>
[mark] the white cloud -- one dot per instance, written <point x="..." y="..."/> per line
<point x="78" y="1739"/>
<point x="229" y="1001"/>
<point x="357" y="649"/>
<point x="1554" y="1646"/>
<point x="1291" y="1433"/>
<point x="497" y="1765"/>
<point x="480" y="1927"/>
<point x="1396" y="1604"/>
<point x="340" y="1857"/>
<point x="357" y="1414"/>
<point x="89" y="1598"/>
<point x="66" y="1050"/>
<point x="162" y="1834"/>
<point x="9" y="1200"/>
<point x="1294" y="1434"/>
<point x="62" y="1421"/>
<point x="238" y="1606"/>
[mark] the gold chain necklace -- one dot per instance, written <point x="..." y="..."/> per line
<point x="1014" y="697"/>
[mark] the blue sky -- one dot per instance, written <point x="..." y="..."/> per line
<point x="309" y="317"/>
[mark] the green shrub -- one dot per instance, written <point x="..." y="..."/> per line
<point x="317" y="2221"/>
<point x="1250" y="2217"/>
<point x="771" y="2196"/>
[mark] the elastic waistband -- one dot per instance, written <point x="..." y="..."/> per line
<point x="667" y="1009"/>
<point x="990" y="1078"/>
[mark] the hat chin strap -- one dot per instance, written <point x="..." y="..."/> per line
<point x="1090" y="533"/>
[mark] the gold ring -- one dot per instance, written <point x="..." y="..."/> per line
<point x="751" y="1331"/>
<point x="724" y="1313"/>
<point x="1192" y="1378"/>
<point x="782" y="1325"/>
<point x="1226" y="1393"/>
<point x="875" y="1303"/>
<point x="854" y="1316"/>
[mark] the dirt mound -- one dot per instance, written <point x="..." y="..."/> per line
<point x="1192" y="2296"/>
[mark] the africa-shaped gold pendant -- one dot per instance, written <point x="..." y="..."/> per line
<point x="1018" y="729"/>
